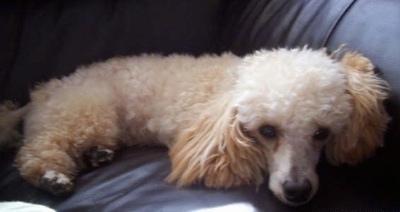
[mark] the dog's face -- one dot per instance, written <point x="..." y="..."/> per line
<point x="287" y="107"/>
<point x="292" y="104"/>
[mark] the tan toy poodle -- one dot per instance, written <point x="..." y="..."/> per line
<point x="227" y="120"/>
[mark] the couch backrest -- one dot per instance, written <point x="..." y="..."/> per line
<point x="45" y="39"/>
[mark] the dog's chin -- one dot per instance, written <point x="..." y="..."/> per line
<point x="293" y="204"/>
<point x="281" y="197"/>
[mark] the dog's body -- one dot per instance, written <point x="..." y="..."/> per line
<point x="227" y="120"/>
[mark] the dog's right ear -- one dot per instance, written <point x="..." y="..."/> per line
<point x="367" y="124"/>
<point x="215" y="151"/>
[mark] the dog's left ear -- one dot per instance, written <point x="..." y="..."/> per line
<point x="214" y="150"/>
<point x="367" y="124"/>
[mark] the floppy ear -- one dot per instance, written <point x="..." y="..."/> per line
<point x="367" y="124"/>
<point x="214" y="150"/>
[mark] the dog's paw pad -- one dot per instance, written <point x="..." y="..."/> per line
<point x="57" y="183"/>
<point x="97" y="156"/>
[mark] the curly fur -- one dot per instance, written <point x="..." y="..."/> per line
<point x="210" y="111"/>
<point x="9" y="118"/>
<point x="368" y="120"/>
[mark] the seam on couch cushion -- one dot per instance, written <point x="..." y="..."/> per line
<point x="278" y="23"/>
<point x="337" y="22"/>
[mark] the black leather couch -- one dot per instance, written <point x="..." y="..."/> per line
<point x="44" y="39"/>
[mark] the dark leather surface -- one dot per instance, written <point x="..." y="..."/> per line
<point x="47" y="39"/>
<point x="44" y="39"/>
<point x="272" y="23"/>
<point x="134" y="182"/>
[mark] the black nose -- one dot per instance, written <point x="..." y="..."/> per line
<point x="297" y="191"/>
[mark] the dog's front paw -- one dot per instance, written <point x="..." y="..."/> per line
<point x="55" y="182"/>
<point x="97" y="156"/>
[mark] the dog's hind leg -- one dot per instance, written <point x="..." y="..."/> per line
<point x="61" y="128"/>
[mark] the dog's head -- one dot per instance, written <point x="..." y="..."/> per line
<point x="287" y="106"/>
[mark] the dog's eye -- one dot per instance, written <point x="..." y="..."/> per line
<point x="321" y="134"/>
<point x="268" y="131"/>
